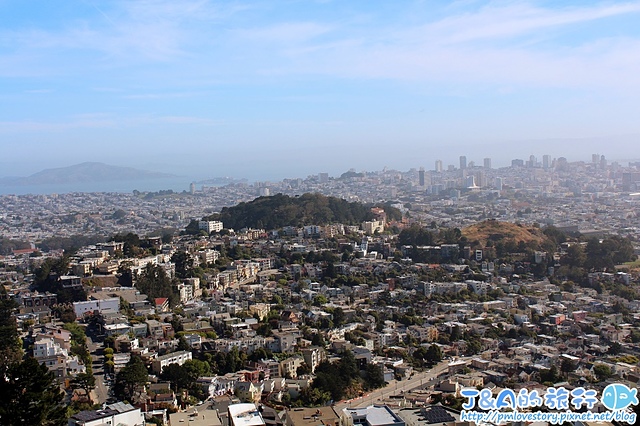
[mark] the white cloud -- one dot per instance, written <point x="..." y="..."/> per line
<point x="511" y="20"/>
<point x="496" y="44"/>
<point x="193" y="44"/>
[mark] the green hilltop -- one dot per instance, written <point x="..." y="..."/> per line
<point x="280" y="210"/>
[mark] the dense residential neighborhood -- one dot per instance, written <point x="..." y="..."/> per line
<point x="378" y="310"/>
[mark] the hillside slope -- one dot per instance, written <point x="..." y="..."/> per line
<point x="308" y="209"/>
<point x="493" y="230"/>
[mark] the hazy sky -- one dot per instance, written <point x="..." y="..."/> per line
<point x="266" y="89"/>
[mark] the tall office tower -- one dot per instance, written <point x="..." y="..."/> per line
<point x="481" y="179"/>
<point x="463" y="162"/>
<point x="487" y="163"/>
<point x="192" y="188"/>
<point x="421" y="176"/>
<point x="546" y="161"/>
<point x="603" y="163"/>
<point x="595" y="158"/>
<point x="439" y="166"/>
<point x="532" y="161"/>
<point x="499" y="183"/>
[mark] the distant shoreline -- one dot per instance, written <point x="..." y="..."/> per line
<point x="177" y="184"/>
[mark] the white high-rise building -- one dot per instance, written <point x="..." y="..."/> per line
<point x="210" y="225"/>
<point x="499" y="183"/>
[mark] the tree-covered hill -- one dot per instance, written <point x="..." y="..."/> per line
<point x="308" y="209"/>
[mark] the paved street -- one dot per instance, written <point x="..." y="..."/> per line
<point x="396" y="387"/>
<point x="101" y="391"/>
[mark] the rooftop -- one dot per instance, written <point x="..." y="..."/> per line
<point x="110" y="410"/>
<point x="246" y="414"/>
<point x="87" y="416"/>
<point x="374" y="415"/>
<point x="312" y="416"/>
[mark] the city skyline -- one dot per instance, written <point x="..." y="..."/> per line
<point x="100" y="177"/>
<point x="245" y="88"/>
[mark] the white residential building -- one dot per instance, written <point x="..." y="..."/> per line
<point x="180" y="357"/>
<point x="119" y="413"/>
<point x="210" y="226"/>
<point x="57" y="359"/>
<point x="100" y="305"/>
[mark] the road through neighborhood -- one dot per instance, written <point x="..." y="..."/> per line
<point x="396" y="387"/>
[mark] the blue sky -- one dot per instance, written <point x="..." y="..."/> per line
<point x="270" y="89"/>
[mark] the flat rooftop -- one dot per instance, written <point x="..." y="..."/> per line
<point x="202" y="415"/>
<point x="246" y="414"/>
<point x="374" y="415"/>
<point x="313" y="416"/>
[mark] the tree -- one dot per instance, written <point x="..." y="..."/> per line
<point x="259" y="354"/>
<point x="615" y="348"/>
<point x="176" y="375"/>
<point x="567" y="366"/>
<point x="47" y="279"/>
<point x="575" y="256"/>
<point x="320" y="299"/>
<point x="456" y="334"/>
<point x="86" y="382"/>
<point x="154" y="282"/>
<point x="303" y="370"/>
<point x="264" y="329"/>
<point x="125" y="275"/>
<point x="131" y="242"/>
<point x="338" y="316"/>
<point x="602" y="372"/>
<point x="30" y="396"/>
<point x="330" y="270"/>
<point x="550" y="375"/>
<point x="473" y="346"/>
<point x="133" y="376"/>
<point x="78" y="336"/>
<point x="313" y="396"/>
<point x="183" y="345"/>
<point x="196" y="369"/>
<point x="184" y="264"/>
<point x="433" y="354"/>
<point x="318" y="340"/>
<point x="347" y="366"/>
<point x="10" y="345"/>
<point x="109" y="343"/>
<point x="374" y="377"/>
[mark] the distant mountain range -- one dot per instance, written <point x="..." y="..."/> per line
<point x="84" y="172"/>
